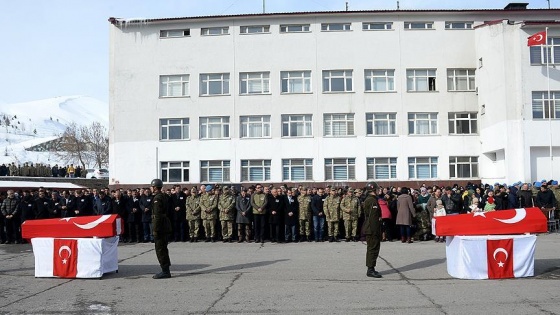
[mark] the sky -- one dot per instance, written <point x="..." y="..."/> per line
<point x="51" y="48"/>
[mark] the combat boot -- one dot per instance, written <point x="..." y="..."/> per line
<point x="164" y="274"/>
<point x="372" y="273"/>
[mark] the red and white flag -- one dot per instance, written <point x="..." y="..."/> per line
<point x="500" y="258"/>
<point x="65" y="258"/>
<point x="537" y="39"/>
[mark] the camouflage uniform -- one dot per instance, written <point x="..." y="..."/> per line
<point x="304" y="215"/>
<point x="556" y="191"/>
<point x="193" y="214"/>
<point x="331" y="208"/>
<point x="350" y="207"/>
<point x="226" y="206"/>
<point x="208" y="206"/>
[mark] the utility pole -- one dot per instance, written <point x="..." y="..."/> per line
<point x="398" y="6"/>
<point x="264" y="6"/>
<point x="346" y="5"/>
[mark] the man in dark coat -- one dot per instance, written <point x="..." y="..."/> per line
<point x="83" y="207"/>
<point x="41" y="206"/>
<point x="372" y="229"/>
<point x="134" y="217"/>
<point x="10" y="214"/>
<point x="318" y="214"/>
<point x="291" y="218"/>
<point x="244" y="216"/>
<point x="67" y="205"/>
<point x="276" y="209"/>
<point x="103" y="205"/>
<point x="146" y="208"/>
<point x="178" y="202"/>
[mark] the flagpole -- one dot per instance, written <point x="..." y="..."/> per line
<point x="551" y="104"/>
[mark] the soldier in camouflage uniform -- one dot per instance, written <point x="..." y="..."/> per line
<point x="193" y="214"/>
<point x="208" y="208"/>
<point x="304" y="201"/>
<point x="259" y="201"/>
<point x="556" y="191"/>
<point x="350" y="207"/>
<point x="226" y="206"/>
<point x="331" y="208"/>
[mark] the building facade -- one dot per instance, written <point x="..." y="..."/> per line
<point x="335" y="97"/>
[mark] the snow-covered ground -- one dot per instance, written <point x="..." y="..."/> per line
<point x="32" y="123"/>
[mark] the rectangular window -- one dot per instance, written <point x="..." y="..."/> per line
<point x="255" y="126"/>
<point x="174" y="129"/>
<point x="296" y="81"/>
<point x="418" y="25"/>
<point x="381" y="124"/>
<point x="214" y="127"/>
<point x="460" y="80"/>
<point x="297" y="170"/>
<point x="174" y="85"/>
<point x="418" y="80"/>
<point x="214" y="31"/>
<point x="338" y="125"/>
<point x="254" y="82"/>
<point x="175" y="172"/>
<point x="463" y="123"/>
<point x="463" y="167"/>
<point x="539" y="54"/>
<point x="545" y="107"/>
<point x="174" y="33"/>
<point x="377" y="26"/>
<point x="294" y="28"/>
<point x="458" y="25"/>
<point x="422" y="123"/>
<point x="214" y="84"/>
<point x="340" y="169"/>
<point x="254" y="29"/>
<point x="337" y="81"/>
<point x="333" y="27"/>
<point x="296" y="126"/>
<point x="422" y="167"/>
<point x="381" y="168"/>
<point x="255" y="170"/>
<point x="214" y="171"/>
<point x="381" y="80"/>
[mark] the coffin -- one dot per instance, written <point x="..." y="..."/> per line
<point x="100" y="226"/>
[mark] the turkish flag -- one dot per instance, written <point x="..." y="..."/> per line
<point x="65" y="258"/>
<point x="537" y="39"/>
<point x="500" y="258"/>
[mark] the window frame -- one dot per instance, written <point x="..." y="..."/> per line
<point x="285" y="28"/>
<point x="370" y="80"/>
<point x="289" y="166"/>
<point x="431" y="163"/>
<point x="541" y="103"/>
<point x="305" y="81"/>
<point x="205" y="84"/>
<point x="186" y="32"/>
<point x="371" y="120"/>
<point x="184" y="171"/>
<point x="205" y="124"/>
<point x="453" y="119"/>
<point x="454" y="166"/>
<point x="328" y="76"/>
<point x="417" y="74"/>
<point x="183" y="126"/>
<point x="428" y="25"/>
<point x="388" y="26"/>
<point x="247" y="168"/>
<point x="252" y="29"/>
<point x="389" y="162"/>
<point x="346" y="27"/>
<point x="468" y="25"/>
<point x="453" y="77"/>
<point x="349" y="165"/>
<point x="345" y="126"/>
<point x="169" y="85"/>
<point x="245" y="126"/>
<point x="246" y="81"/>
<point x="542" y="52"/>
<point x="430" y="120"/>
<point x="306" y="122"/>
<point x="224" y="30"/>
<point x="224" y="167"/>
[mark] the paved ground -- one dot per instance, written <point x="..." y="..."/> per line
<point x="325" y="278"/>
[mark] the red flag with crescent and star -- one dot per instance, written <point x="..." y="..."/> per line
<point x="65" y="258"/>
<point x="537" y="39"/>
<point x="500" y="258"/>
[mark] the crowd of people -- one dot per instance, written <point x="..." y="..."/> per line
<point x="41" y="170"/>
<point x="260" y="213"/>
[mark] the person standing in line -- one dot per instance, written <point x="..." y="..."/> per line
<point x="304" y="202"/>
<point x="146" y="208"/>
<point x="318" y="215"/>
<point x="208" y="206"/>
<point x="372" y="229"/>
<point x="276" y="208"/>
<point x="244" y="215"/>
<point x="162" y="228"/>
<point x="291" y="217"/>
<point x="350" y="208"/>
<point x="193" y="214"/>
<point x="331" y="208"/>
<point x="226" y="207"/>
<point x="259" y="203"/>
<point x="405" y="213"/>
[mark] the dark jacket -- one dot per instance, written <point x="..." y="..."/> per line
<point x="545" y="199"/>
<point x="119" y="206"/>
<point x="501" y="200"/>
<point x="525" y="199"/>
<point x="83" y="205"/>
<point x="70" y="205"/>
<point x="10" y="206"/>
<point x="146" y="207"/>
<point x="278" y="205"/>
<point x="54" y="208"/>
<point x="292" y="206"/>
<point x="372" y="214"/>
<point x="41" y="208"/>
<point x="179" y="200"/>
<point x="131" y="204"/>
<point x="243" y="206"/>
<point x="317" y="204"/>
<point x="103" y="206"/>
<point x="26" y="206"/>
<point x="513" y="199"/>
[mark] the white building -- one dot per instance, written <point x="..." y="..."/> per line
<point x="338" y="97"/>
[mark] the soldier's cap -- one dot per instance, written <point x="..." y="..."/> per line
<point x="543" y="180"/>
<point x="351" y="189"/>
<point x="537" y="184"/>
<point x="225" y="189"/>
<point x="554" y="182"/>
<point x="208" y="188"/>
<point x="358" y="191"/>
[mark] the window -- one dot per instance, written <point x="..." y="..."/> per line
<point x="418" y="25"/>
<point x="420" y="80"/>
<point x="175" y="172"/>
<point x="214" y="84"/>
<point x="174" y="129"/>
<point x="254" y="82"/>
<point x="297" y="170"/>
<point x="296" y="126"/>
<point x="174" y="33"/>
<point x="296" y="81"/>
<point x="214" y="171"/>
<point x="255" y="170"/>
<point x="338" y="125"/>
<point x="459" y="25"/>
<point x="255" y="29"/>
<point x="460" y="80"/>
<point x="381" y="168"/>
<point x="538" y="54"/>
<point x="377" y="26"/>
<point x="332" y="27"/>
<point x="337" y="81"/>
<point x="422" y="123"/>
<point x="463" y="166"/>
<point x="213" y="31"/>
<point x="381" y="124"/>
<point x="382" y="80"/>
<point x="174" y="85"/>
<point x="294" y="28"/>
<point x="255" y="126"/>
<point x="544" y="107"/>
<point x="340" y="169"/>
<point x="422" y="167"/>
<point x="214" y="127"/>
<point x="463" y="123"/>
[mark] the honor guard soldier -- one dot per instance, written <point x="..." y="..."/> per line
<point x="372" y="228"/>
<point x="162" y="228"/>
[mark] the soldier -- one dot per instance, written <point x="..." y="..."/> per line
<point x="331" y="208"/>
<point x="244" y="215"/>
<point x="259" y="202"/>
<point x="162" y="228"/>
<point x="304" y="201"/>
<point x="372" y="229"/>
<point x="226" y="206"/>
<point x="193" y="214"/>
<point x="208" y="206"/>
<point x="556" y="191"/>
<point x="350" y="207"/>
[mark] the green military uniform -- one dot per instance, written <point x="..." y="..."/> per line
<point x="259" y="201"/>
<point x="350" y="207"/>
<point x="556" y="191"/>
<point x="226" y="206"/>
<point x="372" y="230"/>
<point x="162" y="228"/>
<point x="304" y="202"/>
<point x="208" y="206"/>
<point x="193" y="215"/>
<point x="331" y="208"/>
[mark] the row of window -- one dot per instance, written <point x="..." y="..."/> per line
<point x="342" y="169"/>
<point x="375" y="80"/>
<point x="306" y="28"/>
<point x="334" y="125"/>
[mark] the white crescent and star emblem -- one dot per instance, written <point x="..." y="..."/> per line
<point x="500" y="250"/>
<point x="519" y="215"/>
<point x="67" y="219"/>
<point x="538" y="38"/>
<point x="62" y="249"/>
<point x="479" y="214"/>
<point x="91" y="225"/>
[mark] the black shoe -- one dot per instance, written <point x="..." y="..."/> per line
<point x="372" y="273"/>
<point x="192" y="240"/>
<point x="162" y="275"/>
<point x="212" y="240"/>
<point x="207" y="240"/>
<point x="225" y="240"/>
<point x="336" y="239"/>
<point x="308" y="239"/>
<point x="331" y="239"/>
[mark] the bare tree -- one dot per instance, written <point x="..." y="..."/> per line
<point x="96" y="137"/>
<point x="72" y="146"/>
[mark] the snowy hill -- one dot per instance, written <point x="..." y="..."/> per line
<point x="24" y="125"/>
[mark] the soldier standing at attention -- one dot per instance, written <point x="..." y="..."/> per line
<point x="162" y="228"/>
<point x="259" y="202"/>
<point x="226" y="206"/>
<point x="208" y="204"/>
<point x="304" y="201"/>
<point x="372" y="228"/>
<point x="350" y="206"/>
<point x="193" y="214"/>
<point x="331" y="207"/>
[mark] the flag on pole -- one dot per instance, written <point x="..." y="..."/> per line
<point x="537" y="39"/>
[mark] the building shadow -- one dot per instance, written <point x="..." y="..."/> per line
<point x="417" y="265"/>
